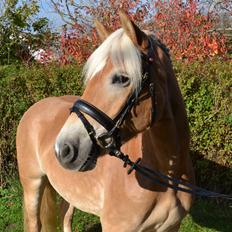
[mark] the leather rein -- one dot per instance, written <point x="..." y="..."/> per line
<point x="110" y="140"/>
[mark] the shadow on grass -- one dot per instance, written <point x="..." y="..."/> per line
<point x="211" y="175"/>
<point x="213" y="214"/>
<point x="94" y="228"/>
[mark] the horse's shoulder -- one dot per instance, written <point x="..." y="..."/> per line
<point x="49" y="108"/>
<point x="67" y="99"/>
<point x="53" y="103"/>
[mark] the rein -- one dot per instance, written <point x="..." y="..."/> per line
<point x="110" y="140"/>
<point x="164" y="180"/>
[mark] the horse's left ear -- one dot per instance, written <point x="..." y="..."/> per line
<point x="138" y="37"/>
<point x="103" y="32"/>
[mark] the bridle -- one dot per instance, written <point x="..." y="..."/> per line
<point x="111" y="139"/>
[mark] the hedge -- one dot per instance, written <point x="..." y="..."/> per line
<point x="207" y="93"/>
<point x="20" y="87"/>
<point x="206" y="89"/>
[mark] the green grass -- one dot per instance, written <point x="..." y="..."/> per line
<point x="11" y="207"/>
<point x="209" y="216"/>
<point x="205" y="216"/>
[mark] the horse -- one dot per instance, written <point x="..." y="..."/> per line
<point x="65" y="152"/>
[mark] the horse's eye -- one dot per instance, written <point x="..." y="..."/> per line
<point x="121" y="80"/>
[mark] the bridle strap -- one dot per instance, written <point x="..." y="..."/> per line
<point x="89" y="128"/>
<point x="112" y="125"/>
<point x="94" y="112"/>
<point x="131" y="101"/>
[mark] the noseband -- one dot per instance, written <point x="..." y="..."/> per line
<point x="111" y="137"/>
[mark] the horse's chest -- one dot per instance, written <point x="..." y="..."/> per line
<point x="144" y="212"/>
<point x="83" y="193"/>
<point x="165" y="216"/>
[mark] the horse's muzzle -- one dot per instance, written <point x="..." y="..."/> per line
<point x="69" y="157"/>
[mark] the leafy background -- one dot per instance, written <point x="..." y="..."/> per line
<point x="200" y="37"/>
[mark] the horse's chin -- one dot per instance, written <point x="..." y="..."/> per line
<point x="81" y="165"/>
<point x="89" y="164"/>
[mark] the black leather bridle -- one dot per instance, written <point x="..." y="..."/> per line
<point x="111" y="138"/>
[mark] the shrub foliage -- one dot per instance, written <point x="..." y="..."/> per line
<point x="205" y="87"/>
<point x="22" y="31"/>
<point x="207" y="92"/>
<point x="20" y="87"/>
<point x="183" y="26"/>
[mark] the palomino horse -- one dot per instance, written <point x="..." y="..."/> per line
<point x="58" y="150"/>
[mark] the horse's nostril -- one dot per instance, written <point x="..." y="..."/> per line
<point x="65" y="150"/>
<point x="68" y="153"/>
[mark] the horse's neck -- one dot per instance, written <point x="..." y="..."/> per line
<point x="165" y="145"/>
<point x="158" y="146"/>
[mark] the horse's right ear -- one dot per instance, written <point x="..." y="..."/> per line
<point x="103" y="32"/>
<point x="138" y="37"/>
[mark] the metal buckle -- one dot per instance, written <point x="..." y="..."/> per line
<point x="106" y="141"/>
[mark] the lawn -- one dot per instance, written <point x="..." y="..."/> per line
<point x="205" y="216"/>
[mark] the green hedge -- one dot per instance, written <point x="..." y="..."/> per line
<point x="206" y="89"/>
<point x="20" y="87"/>
<point x="207" y="93"/>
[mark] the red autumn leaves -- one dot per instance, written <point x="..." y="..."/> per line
<point x="188" y="32"/>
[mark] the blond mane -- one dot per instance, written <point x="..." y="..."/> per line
<point x="122" y="52"/>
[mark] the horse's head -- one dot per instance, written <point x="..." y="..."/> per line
<point x="118" y="101"/>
